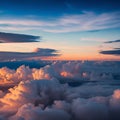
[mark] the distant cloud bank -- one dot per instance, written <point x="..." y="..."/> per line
<point x="36" y="53"/>
<point x="45" y="93"/>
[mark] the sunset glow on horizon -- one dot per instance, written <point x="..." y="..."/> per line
<point x="76" y="30"/>
<point x="59" y="59"/>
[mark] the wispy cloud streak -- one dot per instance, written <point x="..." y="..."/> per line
<point x="86" y="21"/>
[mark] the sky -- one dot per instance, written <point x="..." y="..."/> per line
<point x="59" y="29"/>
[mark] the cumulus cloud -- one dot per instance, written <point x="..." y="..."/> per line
<point x="114" y="101"/>
<point x="14" y="37"/>
<point x="45" y="93"/>
<point x="65" y="71"/>
<point x="36" y="92"/>
<point x="37" y="53"/>
<point x="28" y="111"/>
<point x="88" y="110"/>
<point x="86" y="21"/>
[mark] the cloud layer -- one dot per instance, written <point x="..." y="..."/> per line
<point x="45" y="93"/>
<point x="86" y="21"/>
<point x="65" y="71"/>
<point x="16" y="38"/>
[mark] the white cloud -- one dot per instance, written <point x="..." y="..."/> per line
<point x="74" y="71"/>
<point x="30" y="112"/>
<point x="87" y="110"/>
<point x="87" y="21"/>
<point x="42" y="93"/>
<point x="36" y="92"/>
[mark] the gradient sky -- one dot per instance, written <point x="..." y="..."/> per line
<point x="77" y="29"/>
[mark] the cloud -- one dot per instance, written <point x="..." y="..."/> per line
<point x="37" y="53"/>
<point x="116" y="48"/>
<point x="87" y="110"/>
<point x="14" y="37"/>
<point x="110" y="52"/>
<point x="113" y="41"/>
<point x="86" y="21"/>
<point x="68" y="72"/>
<point x="41" y="93"/>
<point x="45" y="51"/>
<point x="36" y="92"/>
<point x="29" y="112"/>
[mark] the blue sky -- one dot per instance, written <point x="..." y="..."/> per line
<point x="77" y="29"/>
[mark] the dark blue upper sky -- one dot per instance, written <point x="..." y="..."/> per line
<point x="45" y="8"/>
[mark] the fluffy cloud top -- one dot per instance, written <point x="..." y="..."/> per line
<point x="45" y="93"/>
<point x="36" y="113"/>
<point x="66" y="71"/>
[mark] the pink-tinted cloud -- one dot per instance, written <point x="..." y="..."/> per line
<point x="43" y="93"/>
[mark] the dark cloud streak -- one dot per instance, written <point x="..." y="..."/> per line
<point x="111" y="52"/>
<point x="17" y="38"/>
<point x="115" y="51"/>
<point x="113" y="41"/>
<point x="37" y="53"/>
